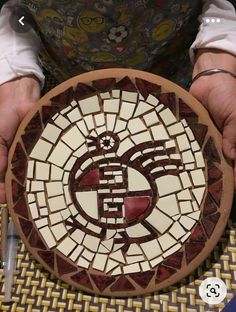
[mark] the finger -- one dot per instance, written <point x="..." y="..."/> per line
<point x="3" y="167"/>
<point x="229" y="140"/>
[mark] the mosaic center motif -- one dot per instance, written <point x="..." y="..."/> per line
<point x="117" y="185"/>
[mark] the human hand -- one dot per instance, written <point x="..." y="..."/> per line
<point x="16" y="99"/>
<point x="218" y="94"/>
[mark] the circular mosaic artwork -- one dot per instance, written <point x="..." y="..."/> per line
<point x="117" y="182"/>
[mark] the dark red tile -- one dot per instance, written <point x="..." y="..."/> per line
<point x="169" y="100"/>
<point x="91" y="178"/>
<point x="64" y="267"/>
<point x="175" y="260"/>
<point x="135" y="206"/>
<point x="104" y="85"/>
<point x="47" y="113"/>
<point x="64" y="98"/>
<point x="143" y="278"/>
<point x="198" y="234"/>
<point x="26" y="226"/>
<point x="215" y="191"/>
<point x="20" y="171"/>
<point x="186" y="112"/>
<point x="125" y="84"/>
<point x="17" y="190"/>
<point x="210" y="151"/>
<point x="47" y="257"/>
<point x="83" y="90"/>
<point x="29" y="139"/>
<point x="35" y="123"/>
<point x="192" y="250"/>
<point x="145" y="88"/>
<point x="122" y="284"/>
<point x="102" y="282"/>
<point x="209" y="206"/>
<point x="210" y="222"/>
<point x="214" y="173"/>
<point x="19" y="154"/>
<point x="21" y="208"/>
<point x="199" y="131"/>
<point x="163" y="273"/>
<point x="82" y="278"/>
<point x="35" y="241"/>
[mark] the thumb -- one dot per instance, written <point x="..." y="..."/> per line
<point x="229" y="140"/>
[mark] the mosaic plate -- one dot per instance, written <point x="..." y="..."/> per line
<point x="117" y="183"/>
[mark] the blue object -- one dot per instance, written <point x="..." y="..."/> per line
<point x="231" y="306"/>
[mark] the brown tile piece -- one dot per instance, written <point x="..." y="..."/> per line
<point x="82" y="278"/>
<point x="209" y="206"/>
<point x="192" y="250"/>
<point x="198" y="234"/>
<point x="47" y="113"/>
<point x="29" y="140"/>
<point x="35" y="241"/>
<point x="135" y="206"/>
<point x="47" y="257"/>
<point x="143" y="278"/>
<point x="163" y="273"/>
<point x="35" y="123"/>
<point x="20" y="171"/>
<point x="214" y="173"/>
<point x="21" y="208"/>
<point x="91" y="178"/>
<point x="19" y="154"/>
<point x="26" y="226"/>
<point x="125" y="84"/>
<point x="199" y="131"/>
<point x="17" y="190"/>
<point x="210" y="151"/>
<point x="210" y="222"/>
<point x="64" y="267"/>
<point x="186" y="112"/>
<point x="122" y="284"/>
<point x="63" y="99"/>
<point x="82" y="90"/>
<point x="175" y="260"/>
<point x="104" y="85"/>
<point x="216" y="191"/>
<point x="101" y="281"/>
<point x="145" y="88"/>
<point x="169" y="100"/>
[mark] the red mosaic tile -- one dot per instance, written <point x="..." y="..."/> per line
<point x="198" y="234"/>
<point x="64" y="267"/>
<point x="135" y="206"/>
<point x="209" y="206"/>
<point x="210" y="151"/>
<point x="91" y="178"/>
<point x="20" y="171"/>
<point x="35" y="241"/>
<point x="192" y="250"/>
<point x="17" y="190"/>
<point x="175" y="260"/>
<point x="145" y="88"/>
<point x="143" y="278"/>
<point x="101" y="281"/>
<point x="82" y="278"/>
<point x="26" y="226"/>
<point x="64" y="98"/>
<point x="21" y="208"/>
<point x="210" y="222"/>
<point x="82" y="90"/>
<point x="19" y="154"/>
<point x="216" y="191"/>
<point x="122" y="284"/>
<point x="169" y="100"/>
<point x="214" y="173"/>
<point x="47" y="113"/>
<point x="35" y="123"/>
<point x="199" y="131"/>
<point x="163" y="273"/>
<point x="104" y="85"/>
<point x="47" y="257"/>
<point x="186" y="112"/>
<point x="126" y="84"/>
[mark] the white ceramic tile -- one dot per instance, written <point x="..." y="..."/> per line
<point x="151" y="249"/>
<point x="123" y="134"/>
<point x="65" y="214"/>
<point x="75" y="254"/>
<point x="94" y="228"/>
<point x="66" y="178"/>
<point x="60" y="154"/>
<point x="111" y="105"/>
<point x="103" y="249"/>
<point x="51" y="133"/>
<point x="177" y="230"/>
<point x="147" y="162"/>
<point x="145" y="266"/>
<point x="151" y="118"/>
<point x="184" y="176"/>
<point x="187" y="222"/>
<point x="30" y="169"/>
<point x="124" y="146"/>
<point x="31" y="198"/>
<point x="131" y="268"/>
<point x="142" y="137"/>
<point x="195" y="146"/>
<point x="177" y="217"/>
<point x="105" y="95"/>
<point x="151" y="99"/>
<point x="89" y="105"/>
<point x="137" y="230"/>
<point x="117" y="271"/>
<point x="170" y="144"/>
<point x="129" y="96"/>
<point x="185" y="207"/>
<point x="62" y="122"/>
<point x="111" y="264"/>
<point x="118" y="256"/>
<point x="41" y="199"/>
<point x="183" y="142"/>
<point x="73" y="138"/>
<point x="108" y="244"/>
<point x="185" y="237"/>
<point x="48" y="237"/>
<point x="176" y="129"/>
<point x="168" y="184"/>
<point x="175" y="156"/>
<point x="56" y="203"/>
<point x="74" y="103"/>
<point x="34" y="210"/>
<point x="195" y="205"/>
<point x="54" y="117"/>
<point x="136" y="125"/>
<point x="159" y="108"/>
<point x="169" y="205"/>
<point x="56" y="173"/>
<point x="117" y="247"/>
<point x="28" y="185"/>
<point x="187" y="157"/>
<point x="142" y="108"/>
<point x="184" y="195"/>
<point x="91" y="242"/>
<point x="83" y="263"/>
<point x="199" y="193"/>
<point x="120" y="125"/>
<point x="159" y="133"/>
<point x="42" y="171"/>
<point x="88" y="200"/>
<point x="195" y="215"/>
<point x="86" y="163"/>
<point x="134" y="259"/>
<point x="74" y="115"/>
<point x="166" y="241"/>
<point x="110" y="233"/>
<point x="199" y="159"/>
<point x="65" y="110"/>
<point x="89" y="122"/>
<point x="198" y="177"/>
<point x="81" y="151"/>
<point x="54" y="188"/>
<point x="55" y="218"/>
<point x="189" y="134"/>
<point x="134" y="249"/>
<point x="88" y="255"/>
<point x="99" y="262"/>
<point x="37" y="186"/>
<point x="82" y="127"/>
<point x="115" y="93"/>
<point x="110" y="121"/>
<point x="159" y="220"/>
<point x="41" y="150"/>
<point x="78" y="236"/>
<point x="172" y="250"/>
<point x="157" y="169"/>
<point x="167" y="116"/>
<point x="160" y="157"/>
<point x="41" y="223"/>
<point x="73" y="210"/>
<point x="127" y="110"/>
<point x="184" y="122"/>
<point x="59" y="231"/>
<point x="70" y="163"/>
<point x="99" y="119"/>
<point x="156" y="261"/>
